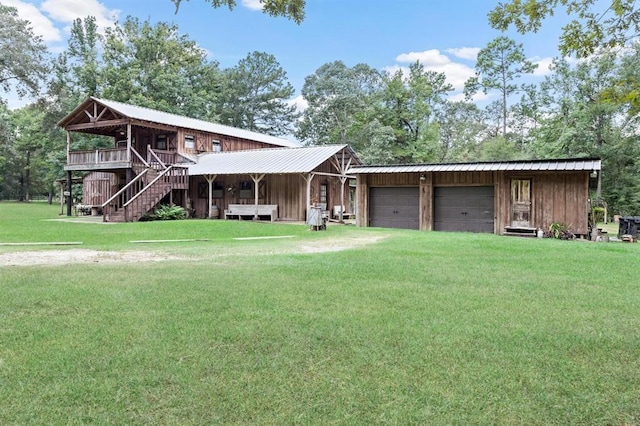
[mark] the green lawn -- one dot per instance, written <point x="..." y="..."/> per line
<point x="416" y="328"/>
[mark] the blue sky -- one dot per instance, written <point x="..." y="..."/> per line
<point x="385" y="34"/>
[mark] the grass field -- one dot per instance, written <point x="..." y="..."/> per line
<point x="403" y="327"/>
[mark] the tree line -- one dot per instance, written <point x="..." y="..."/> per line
<point x="399" y="117"/>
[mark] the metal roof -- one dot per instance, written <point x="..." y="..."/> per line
<point x="269" y="161"/>
<point x="155" y="116"/>
<point x="580" y="164"/>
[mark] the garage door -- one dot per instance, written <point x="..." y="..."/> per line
<point x="394" y="207"/>
<point x="463" y="208"/>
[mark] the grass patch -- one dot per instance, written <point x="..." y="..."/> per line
<point x="422" y="328"/>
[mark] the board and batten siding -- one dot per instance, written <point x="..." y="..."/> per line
<point x="556" y="196"/>
<point x="288" y="191"/>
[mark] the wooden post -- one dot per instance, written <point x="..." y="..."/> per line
<point x="308" y="178"/>
<point x="128" y="143"/>
<point x="210" y="179"/>
<point x="343" y="179"/>
<point x="256" y="182"/>
<point x="69" y="197"/>
<point x="68" y="145"/>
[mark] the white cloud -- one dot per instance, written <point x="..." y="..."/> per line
<point x="543" y="66"/>
<point x="40" y="24"/>
<point x="252" y="4"/>
<point x="470" y="53"/>
<point x="300" y="103"/>
<point x="66" y="11"/>
<point x="433" y="60"/>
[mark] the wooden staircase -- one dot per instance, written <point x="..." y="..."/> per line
<point x="143" y="193"/>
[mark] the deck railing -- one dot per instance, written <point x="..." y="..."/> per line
<point x="105" y="156"/>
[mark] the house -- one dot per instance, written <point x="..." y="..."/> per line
<point x="506" y="197"/>
<point x="158" y="157"/>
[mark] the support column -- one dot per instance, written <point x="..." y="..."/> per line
<point x="69" y="197"/>
<point x="256" y="182"/>
<point x="210" y="179"/>
<point x="308" y="178"/>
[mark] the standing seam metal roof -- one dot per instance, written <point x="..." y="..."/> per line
<point x="268" y="161"/>
<point x="155" y="116"/>
<point x="583" y="164"/>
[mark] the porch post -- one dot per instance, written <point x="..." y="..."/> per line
<point x="343" y="179"/>
<point x="210" y="179"/>
<point x="129" y="142"/>
<point x="308" y="178"/>
<point x="256" y="182"/>
<point x="68" y="145"/>
<point x="69" y="197"/>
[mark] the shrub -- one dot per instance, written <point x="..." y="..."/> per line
<point x="598" y="214"/>
<point x="559" y="231"/>
<point x="166" y="212"/>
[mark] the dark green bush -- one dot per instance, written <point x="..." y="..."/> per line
<point x="166" y="212"/>
<point x="598" y="214"/>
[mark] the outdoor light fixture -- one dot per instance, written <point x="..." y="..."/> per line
<point x="594" y="174"/>
<point x="423" y="177"/>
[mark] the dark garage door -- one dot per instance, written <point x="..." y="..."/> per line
<point x="394" y="207"/>
<point x="463" y="208"/>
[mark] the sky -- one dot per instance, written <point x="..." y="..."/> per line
<point x="444" y="35"/>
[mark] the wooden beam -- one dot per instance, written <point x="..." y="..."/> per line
<point x="152" y="125"/>
<point x="96" y="125"/>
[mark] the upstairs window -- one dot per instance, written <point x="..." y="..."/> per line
<point x="215" y="146"/>
<point x="189" y="142"/>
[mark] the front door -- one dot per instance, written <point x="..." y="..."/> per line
<point x="521" y="203"/>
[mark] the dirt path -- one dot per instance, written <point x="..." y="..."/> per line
<point x="72" y="256"/>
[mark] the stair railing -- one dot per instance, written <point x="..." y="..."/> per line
<point x="108" y="207"/>
<point x="134" y="204"/>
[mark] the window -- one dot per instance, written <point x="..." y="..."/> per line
<point x="161" y="141"/>
<point x="189" y="142"/>
<point x="218" y="190"/>
<point x="323" y="193"/>
<point x="246" y="189"/>
<point x="215" y="146"/>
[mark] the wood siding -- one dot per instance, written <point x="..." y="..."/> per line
<point x="98" y="187"/>
<point x="556" y="196"/>
<point x="288" y="191"/>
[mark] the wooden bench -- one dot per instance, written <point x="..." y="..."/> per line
<point x="250" y="210"/>
<point x="345" y="215"/>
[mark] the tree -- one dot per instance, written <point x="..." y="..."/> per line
<point x="593" y="27"/>
<point x="292" y="9"/>
<point x="255" y="96"/>
<point x="461" y="128"/>
<point x="157" y="67"/>
<point x="596" y="25"/>
<point x="497" y="67"/>
<point x="411" y="104"/>
<point x="22" y="54"/>
<point x="338" y="98"/>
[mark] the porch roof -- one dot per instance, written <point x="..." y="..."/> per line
<point x="160" y="117"/>
<point x="270" y="161"/>
<point x="578" y="164"/>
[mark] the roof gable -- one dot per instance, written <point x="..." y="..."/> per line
<point x="154" y="116"/>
